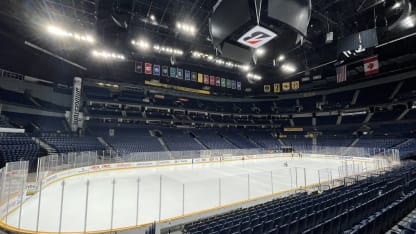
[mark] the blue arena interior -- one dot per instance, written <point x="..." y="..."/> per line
<point x="175" y="80"/>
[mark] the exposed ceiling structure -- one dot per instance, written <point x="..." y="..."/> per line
<point x="183" y="26"/>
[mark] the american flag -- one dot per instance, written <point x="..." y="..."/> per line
<point x="341" y="73"/>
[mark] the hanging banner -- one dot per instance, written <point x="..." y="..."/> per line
<point x="286" y="86"/>
<point x="206" y="79"/>
<point x="223" y="83"/>
<point x="266" y="88"/>
<point x="156" y="70"/>
<point x="165" y="71"/>
<point x="218" y="81"/>
<point x="229" y="84"/>
<point x="238" y="85"/>
<point x="179" y="73"/>
<point x="233" y="84"/>
<point x="295" y="85"/>
<point x="148" y="68"/>
<point x="276" y="88"/>
<point x="200" y="78"/>
<point x="194" y="77"/>
<point x="172" y="72"/>
<point x="138" y="67"/>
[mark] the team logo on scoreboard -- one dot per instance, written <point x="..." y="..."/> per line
<point x="257" y="37"/>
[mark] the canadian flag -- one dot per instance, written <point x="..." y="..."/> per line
<point x="371" y="66"/>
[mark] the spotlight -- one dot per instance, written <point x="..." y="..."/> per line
<point x="288" y="68"/>
<point x="60" y="32"/>
<point x="152" y="17"/>
<point x="254" y="77"/>
<point x="245" y="67"/>
<point x="186" y="28"/>
<point x="396" y="5"/>
<point x="281" y="58"/>
<point x="260" y="52"/>
<point x="409" y="22"/>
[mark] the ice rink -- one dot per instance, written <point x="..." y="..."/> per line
<point x="129" y="197"/>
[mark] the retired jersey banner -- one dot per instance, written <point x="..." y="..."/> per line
<point x="194" y="76"/>
<point x="266" y="88"/>
<point x="148" y="68"/>
<point x="223" y="83"/>
<point x="165" y="71"/>
<point x="138" y="67"/>
<point x="206" y="79"/>
<point x="295" y="85"/>
<point x="179" y="72"/>
<point x="233" y="84"/>
<point x="276" y="88"/>
<point x="172" y="72"/>
<point x="187" y="75"/>
<point x="229" y="84"/>
<point x="200" y="78"/>
<point x="286" y="86"/>
<point x="156" y="70"/>
<point x="218" y="81"/>
<point x="212" y="80"/>
<point x="238" y="85"/>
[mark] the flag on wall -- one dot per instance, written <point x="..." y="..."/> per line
<point x="276" y="88"/>
<point x="341" y="73"/>
<point x="194" y="77"/>
<point x="295" y="85"/>
<point x="187" y="75"/>
<point x="286" y="86"/>
<point x="156" y="70"/>
<point x="165" y="71"/>
<point x="218" y="81"/>
<point x="206" y="79"/>
<point x="138" y="67"/>
<point x="172" y="72"/>
<point x="179" y="73"/>
<point x="200" y="78"/>
<point x="266" y="88"/>
<point x="371" y="66"/>
<point x="148" y="68"/>
<point x="212" y="80"/>
<point x="223" y="83"/>
<point x="238" y="85"/>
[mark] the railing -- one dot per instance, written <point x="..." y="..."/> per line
<point x="133" y="197"/>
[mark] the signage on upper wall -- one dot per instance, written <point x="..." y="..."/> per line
<point x="279" y="87"/>
<point x="186" y="75"/>
<point x="256" y="37"/>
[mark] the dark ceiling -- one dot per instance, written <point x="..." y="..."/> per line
<point x="116" y="22"/>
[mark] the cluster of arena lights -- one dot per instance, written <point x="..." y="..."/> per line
<point x="106" y="55"/>
<point x="63" y="33"/>
<point x="145" y="45"/>
<point x="219" y="61"/>
<point x="254" y="77"/>
<point x="186" y="28"/>
<point x="288" y="68"/>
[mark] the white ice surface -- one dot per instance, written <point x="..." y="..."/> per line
<point x="202" y="185"/>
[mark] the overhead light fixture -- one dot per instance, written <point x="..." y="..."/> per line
<point x="60" y="32"/>
<point x="281" y="58"/>
<point x="186" y="28"/>
<point x="409" y="21"/>
<point x="288" y="68"/>
<point x="245" y="67"/>
<point x="396" y="5"/>
<point x="141" y="44"/>
<point x="152" y="17"/>
<point x="260" y="52"/>
<point x="106" y="55"/>
<point x="167" y="50"/>
<point x="254" y="77"/>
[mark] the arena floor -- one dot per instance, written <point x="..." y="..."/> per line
<point x="185" y="189"/>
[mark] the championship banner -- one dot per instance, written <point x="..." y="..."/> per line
<point x="229" y="84"/>
<point x="217" y="81"/>
<point x="179" y="73"/>
<point x="138" y="67"/>
<point x="200" y="78"/>
<point x="194" y="77"/>
<point x="266" y="88"/>
<point x="233" y="84"/>
<point x="238" y="85"/>
<point x="286" y="86"/>
<point x="276" y="88"/>
<point x="212" y="80"/>
<point x="295" y="85"/>
<point x="148" y="68"/>
<point x="165" y="71"/>
<point x="206" y="79"/>
<point x="156" y="70"/>
<point x="172" y="72"/>
<point x="223" y="83"/>
<point x="187" y="75"/>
